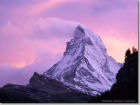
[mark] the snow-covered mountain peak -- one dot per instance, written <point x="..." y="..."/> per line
<point x="85" y="65"/>
<point x="83" y="36"/>
<point x="79" y="32"/>
<point x="82" y="32"/>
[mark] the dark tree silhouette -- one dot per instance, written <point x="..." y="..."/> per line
<point x="125" y="90"/>
<point x="134" y="50"/>
<point x="127" y="53"/>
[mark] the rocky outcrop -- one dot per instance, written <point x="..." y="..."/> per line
<point x="51" y="86"/>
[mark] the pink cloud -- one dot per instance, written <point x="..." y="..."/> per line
<point x="36" y="9"/>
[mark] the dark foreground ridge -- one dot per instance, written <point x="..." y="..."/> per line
<point x="125" y="90"/>
<point x="41" y="90"/>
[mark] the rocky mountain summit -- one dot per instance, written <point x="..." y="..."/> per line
<point x="85" y="65"/>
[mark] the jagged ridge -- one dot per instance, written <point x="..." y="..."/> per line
<point x="85" y="65"/>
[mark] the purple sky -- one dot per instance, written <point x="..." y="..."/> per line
<point x="33" y="33"/>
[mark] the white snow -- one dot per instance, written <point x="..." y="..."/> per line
<point x="85" y="64"/>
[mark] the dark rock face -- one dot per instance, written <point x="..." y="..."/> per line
<point x="49" y="85"/>
<point x="41" y="90"/>
<point x="126" y="87"/>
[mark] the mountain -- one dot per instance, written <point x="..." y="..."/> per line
<point x="41" y="90"/>
<point x="126" y="88"/>
<point x="85" y="65"/>
<point x="85" y="74"/>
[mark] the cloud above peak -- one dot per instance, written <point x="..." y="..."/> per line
<point x="33" y="34"/>
<point x="29" y="38"/>
<point x="32" y="45"/>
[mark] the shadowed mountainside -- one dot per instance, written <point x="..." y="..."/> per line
<point x="126" y="87"/>
<point x="41" y="90"/>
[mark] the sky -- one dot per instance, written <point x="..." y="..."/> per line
<point x="33" y="33"/>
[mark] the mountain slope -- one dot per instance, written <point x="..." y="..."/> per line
<point x="41" y="90"/>
<point x="85" y="65"/>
